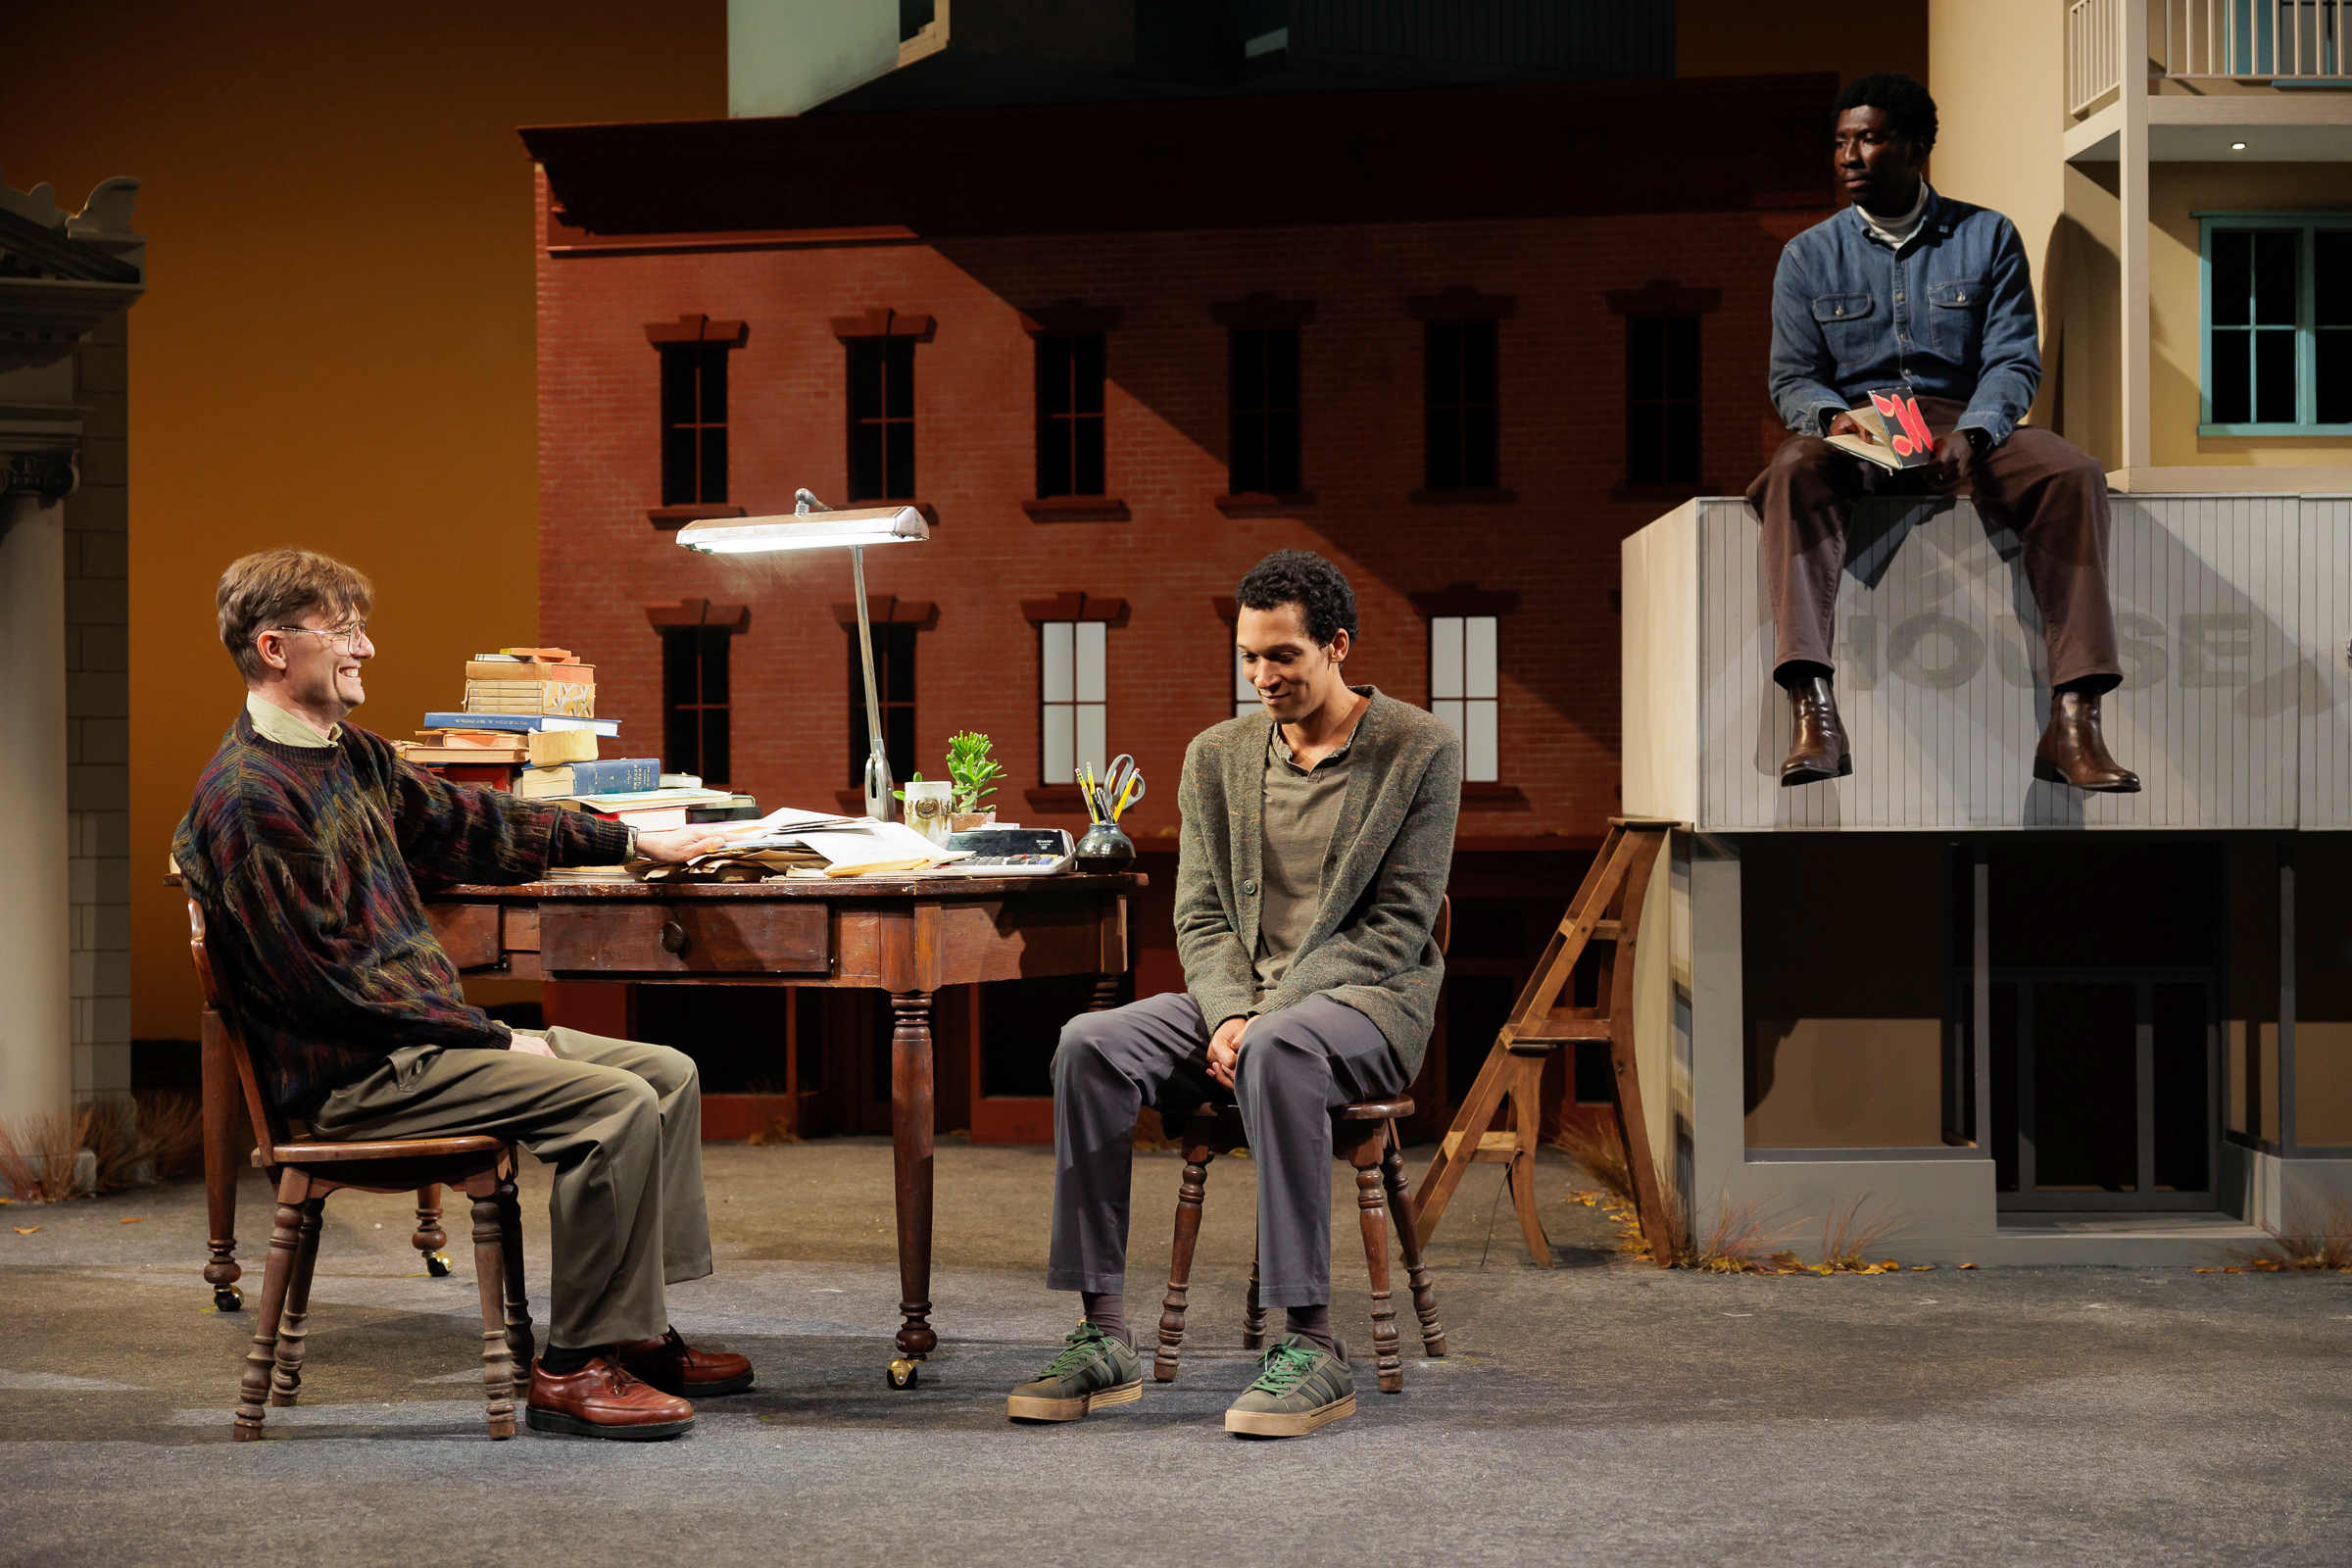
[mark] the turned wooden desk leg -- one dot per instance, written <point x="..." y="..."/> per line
<point x="220" y="1078"/>
<point x="911" y="1138"/>
<point x="1106" y="993"/>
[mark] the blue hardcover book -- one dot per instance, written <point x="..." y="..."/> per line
<point x="618" y="775"/>
<point x="520" y="722"/>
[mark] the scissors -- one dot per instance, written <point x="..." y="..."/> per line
<point x="1121" y="787"/>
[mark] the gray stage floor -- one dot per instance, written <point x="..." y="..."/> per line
<point x="1597" y="1413"/>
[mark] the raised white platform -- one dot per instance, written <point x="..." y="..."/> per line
<point x="2234" y="612"/>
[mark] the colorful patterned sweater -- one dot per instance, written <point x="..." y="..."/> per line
<point x="305" y="863"/>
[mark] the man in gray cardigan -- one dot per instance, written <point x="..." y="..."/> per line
<point x="1317" y="838"/>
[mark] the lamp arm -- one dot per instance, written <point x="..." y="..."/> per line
<point x="877" y="759"/>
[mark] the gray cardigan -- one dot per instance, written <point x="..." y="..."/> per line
<point x="1371" y="947"/>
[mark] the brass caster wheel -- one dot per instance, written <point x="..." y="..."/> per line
<point x="437" y="1264"/>
<point x="902" y="1372"/>
<point x="227" y="1299"/>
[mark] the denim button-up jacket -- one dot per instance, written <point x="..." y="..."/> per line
<point x="1951" y="316"/>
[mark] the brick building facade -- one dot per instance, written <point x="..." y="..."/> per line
<point x="1576" y="224"/>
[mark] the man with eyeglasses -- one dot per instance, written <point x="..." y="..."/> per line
<point x="303" y="847"/>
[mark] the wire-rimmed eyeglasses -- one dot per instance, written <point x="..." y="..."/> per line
<point x="346" y="638"/>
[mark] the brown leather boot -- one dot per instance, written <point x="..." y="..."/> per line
<point x="602" y="1400"/>
<point x="2074" y="752"/>
<point x="1820" y="751"/>
<point x="670" y="1364"/>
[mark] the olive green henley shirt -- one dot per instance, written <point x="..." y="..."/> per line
<point x="1302" y="808"/>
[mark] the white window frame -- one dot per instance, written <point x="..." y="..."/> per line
<point x="1464" y="679"/>
<point x="1245" y="700"/>
<point x="1073" y="678"/>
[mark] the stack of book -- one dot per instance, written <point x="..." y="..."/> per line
<point x="529" y="726"/>
<point x="530" y="681"/>
<point x="656" y="807"/>
<point x="526" y="709"/>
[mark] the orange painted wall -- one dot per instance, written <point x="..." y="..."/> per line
<point x="336" y="344"/>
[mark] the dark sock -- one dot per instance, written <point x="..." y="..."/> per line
<point x="563" y="1364"/>
<point x="1798" y="672"/>
<point x="1313" y="1325"/>
<point x="1109" y="1312"/>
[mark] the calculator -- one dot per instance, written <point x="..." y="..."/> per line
<point x="1012" y="851"/>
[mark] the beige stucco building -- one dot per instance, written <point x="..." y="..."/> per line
<point x="2024" y="1024"/>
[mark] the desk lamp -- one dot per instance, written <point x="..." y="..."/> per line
<point x="813" y="525"/>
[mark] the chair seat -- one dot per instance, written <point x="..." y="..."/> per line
<point x="318" y="1154"/>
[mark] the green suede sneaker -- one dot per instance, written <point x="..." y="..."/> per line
<point x="1301" y="1386"/>
<point x="1092" y="1370"/>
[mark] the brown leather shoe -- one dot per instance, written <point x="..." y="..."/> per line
<point x="670" y="1364"/>
<point x="2074" y="752"/>
<point x="604" y="1401"/>
<point x="1820" y="751"/>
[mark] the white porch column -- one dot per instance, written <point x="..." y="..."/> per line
<point x="2132" y="96"/>
<point x="36" y="1024"/>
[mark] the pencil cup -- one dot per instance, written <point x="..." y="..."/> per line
<point x="1106" y="849"/>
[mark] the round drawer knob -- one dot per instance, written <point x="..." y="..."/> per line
<point x="674" y="937"/>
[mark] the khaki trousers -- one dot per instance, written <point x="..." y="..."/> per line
<point x="621" y="1123"/>
<point x="2052" y="495"/>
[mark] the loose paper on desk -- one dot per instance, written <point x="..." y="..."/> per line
<point x="782" y="826"/>
<point x="878" y="847"/>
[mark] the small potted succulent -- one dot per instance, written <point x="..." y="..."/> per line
<point x="972" y="771"/>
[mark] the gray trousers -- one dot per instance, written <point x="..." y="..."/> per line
<point x="1298" y="1066"/>
<point x="621" y="1123"/>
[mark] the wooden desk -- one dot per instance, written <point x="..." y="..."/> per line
<point x="908" y="937"/>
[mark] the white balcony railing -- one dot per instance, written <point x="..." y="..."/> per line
<point x="2237" y="40"/>
<point x="2093" y="52"/>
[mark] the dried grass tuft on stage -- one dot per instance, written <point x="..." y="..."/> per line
<point x="37" y="1153"/>
<point x="2310" y="1242"/>
<point x="171" y="1124"/>
<point x="1597" y="1150"/>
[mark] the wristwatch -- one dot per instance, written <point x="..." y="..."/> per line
<point x="1979" y="438"/>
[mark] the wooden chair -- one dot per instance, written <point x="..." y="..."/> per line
<point x="1364" y="1133"/>
<point x="307" y="1171"/>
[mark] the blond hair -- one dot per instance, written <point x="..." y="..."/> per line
<point x="279" y="587"/>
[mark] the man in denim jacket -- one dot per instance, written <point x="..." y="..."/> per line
<point x="1907" y="288"/>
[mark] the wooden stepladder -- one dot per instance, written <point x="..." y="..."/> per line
<point x="1606" y="912"/>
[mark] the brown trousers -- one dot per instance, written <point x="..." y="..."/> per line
<point x="2052" y="495"/>
<point x="621" y="1123"/>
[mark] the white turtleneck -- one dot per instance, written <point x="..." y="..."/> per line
<point x="1895" y="233"/>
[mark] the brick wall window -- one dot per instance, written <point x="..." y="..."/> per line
<point x="881" y="409"/>
<point x="694" y="702"/>
<point x="1069" y="413"/>
<point x="693" y="351"/>
<point x="1462" y="688"/>
<point x="696" y="720"/>
<point x="1663" y="454"/>
<point x="893" y="681"/>
<point x="1071" y="655"/>
<point x="1661" y="400"/>
<point x="1461" y="451"/>
<point x="694" y="424"/>
<point x="1264" y="451"/>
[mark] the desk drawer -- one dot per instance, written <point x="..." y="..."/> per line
<point x="717" y="936"/>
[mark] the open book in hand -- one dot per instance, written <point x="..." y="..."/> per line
<point x="1899" y="437"/>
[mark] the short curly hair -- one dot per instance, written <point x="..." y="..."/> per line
<point x="1303" y="578"/>
<point x="1910" y="111"/>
